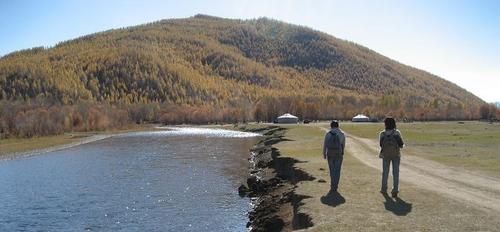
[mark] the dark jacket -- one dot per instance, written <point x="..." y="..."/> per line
<point x="329" y="140"/>
<point x="397" y="135"/>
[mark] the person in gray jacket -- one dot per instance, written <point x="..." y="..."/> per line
<point x="333" y="151"/>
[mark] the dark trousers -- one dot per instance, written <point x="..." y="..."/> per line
<point x="395" y="173"/>
<point x="335" y="164"/>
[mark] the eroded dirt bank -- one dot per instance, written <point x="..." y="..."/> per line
<point x="272" y="184"/>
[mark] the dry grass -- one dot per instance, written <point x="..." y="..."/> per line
<point x="471" y="145"/>
<point x="14" y="145"/>
<point x="365" y="209"/>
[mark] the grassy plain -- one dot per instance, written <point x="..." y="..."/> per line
<point x="360" y="207"/>
<point x="471" y="145"/>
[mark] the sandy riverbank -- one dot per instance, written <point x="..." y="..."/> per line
<point x="22" y="147"/>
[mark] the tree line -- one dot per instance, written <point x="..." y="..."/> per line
<point x="43" y="117"/>
<point x="213" y="70"/>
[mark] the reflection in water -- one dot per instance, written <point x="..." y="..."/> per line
<point x="153" y="181"/>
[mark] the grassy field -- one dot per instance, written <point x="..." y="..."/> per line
<point x="471" y="145"/>
<point x="360" y="207"/>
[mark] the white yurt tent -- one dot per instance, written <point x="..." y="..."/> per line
<point x="287" y="118"/>
<point x="360" y="118"/>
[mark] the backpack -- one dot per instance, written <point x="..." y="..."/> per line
<point x="390" y="146"/>
<point x="335" y="149"/>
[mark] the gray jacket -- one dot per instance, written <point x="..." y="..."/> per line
<point x="328" y="140"/>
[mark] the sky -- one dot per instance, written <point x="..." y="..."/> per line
<point x="455" y="39"/>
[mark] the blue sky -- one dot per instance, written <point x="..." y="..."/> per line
<point x="454" y="39"/>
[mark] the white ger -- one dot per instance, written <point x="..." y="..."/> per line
<point x="287" y="118"/>
<point x="360" y="118"/>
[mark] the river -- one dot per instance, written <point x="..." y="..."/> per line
<point x="178" y="180"/>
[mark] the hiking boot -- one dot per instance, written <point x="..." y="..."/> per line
<point x="394" y="194"/>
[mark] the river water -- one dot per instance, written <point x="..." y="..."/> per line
<point x="181" y="180"/>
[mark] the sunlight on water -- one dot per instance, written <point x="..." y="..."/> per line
<point x="206" y="132"/>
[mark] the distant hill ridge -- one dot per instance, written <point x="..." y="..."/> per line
<point x="207" y="60"/>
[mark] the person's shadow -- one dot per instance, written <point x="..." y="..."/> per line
<point x="397" y="206"/>
<point x="333" y="199"/>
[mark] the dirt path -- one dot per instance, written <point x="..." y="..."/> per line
<point x="477" y="190"/>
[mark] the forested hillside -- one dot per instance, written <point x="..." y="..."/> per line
<point x="207" y="69"/>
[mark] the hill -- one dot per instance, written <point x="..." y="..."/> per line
<point x="256" y="68"/>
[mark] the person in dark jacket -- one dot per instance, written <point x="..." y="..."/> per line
<point x="391" y="142"/>
<point x="333" y="151"/>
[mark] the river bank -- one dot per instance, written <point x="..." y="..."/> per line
<point x="21" y="147"/>
<point x="272" y="184"/>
